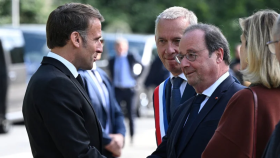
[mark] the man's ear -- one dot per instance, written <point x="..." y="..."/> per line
<point x="75" y="39"/>
<point x="220" y="55"/>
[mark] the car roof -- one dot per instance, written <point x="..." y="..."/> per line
<point x="129" y="37"/>
<point x="29" y="28"/>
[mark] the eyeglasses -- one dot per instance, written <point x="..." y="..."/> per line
<point x="271" y="46"/>
<point x="191" y="56"/>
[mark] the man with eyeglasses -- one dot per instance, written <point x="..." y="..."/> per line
<point x="204" y="59"/>
<point x="170" y="25"/>
<point x="273" y="146"/>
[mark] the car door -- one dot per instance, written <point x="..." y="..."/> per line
<point x="13" y="45"/>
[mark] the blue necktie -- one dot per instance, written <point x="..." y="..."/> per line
<point x="192" y="116"/>
<point x="175" y="94"/>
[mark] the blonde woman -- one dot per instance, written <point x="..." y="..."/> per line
<point x="235" y="133"/>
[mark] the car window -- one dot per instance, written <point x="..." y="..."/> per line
<point x="136" y="48"/>
<point x="13" y="43"/>
<point x="35" y="49"/>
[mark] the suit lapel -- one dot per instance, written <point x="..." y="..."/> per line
<point x="212" y="101"/>
<point x="107" y="84"/>
<point x="95" y="90"/>
<point x="80" y="88"/>
<point x="182" y="119"/>
<point x="66" y="71"/>
<point x="188" y="93"/>
<point x="167" y="100"/>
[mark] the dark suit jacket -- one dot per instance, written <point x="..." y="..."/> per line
<point x="273" y="146"/>
<point x="116" y="116"/>
<point x="202" y="128"/>
<point x="132" y="60"/>
<point x="157" y="73"/>
<point x="189" y="92"/>
<point x="58" y="115"/>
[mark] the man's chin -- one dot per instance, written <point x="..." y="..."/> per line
<point x="175" y="71"/>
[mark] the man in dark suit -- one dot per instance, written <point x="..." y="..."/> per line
<point x="157" y="73"/>
<point x="169" y="28"/>
<point x="59" y="118"/>
<point x="124" y="70"/>
<point x="204" y="59"/>
<point x="102" y="96"/>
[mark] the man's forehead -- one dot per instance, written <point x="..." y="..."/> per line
<point x="194" y="33"/>
<point x="193" y="38"/>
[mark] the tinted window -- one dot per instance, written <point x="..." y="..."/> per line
<point x="13" y="43"/>
<point x="134" y="47"/>
<point x="35" y="49"/>
<point x="35" y="43"/>
<point x="17" y="55"/>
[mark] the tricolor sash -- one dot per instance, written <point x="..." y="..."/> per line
<point x="160" y="111"/>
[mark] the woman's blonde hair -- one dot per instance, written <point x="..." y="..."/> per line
<point x="263" y="66"/>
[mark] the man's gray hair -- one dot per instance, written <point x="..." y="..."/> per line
<point x="276" y="28"/>
<point x="176" y="12"/>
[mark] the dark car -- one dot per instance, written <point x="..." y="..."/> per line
<point x="23" y="49"/>
<point x="13" y="77"/>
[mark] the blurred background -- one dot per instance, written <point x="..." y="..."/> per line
<point x="23" y="45"/>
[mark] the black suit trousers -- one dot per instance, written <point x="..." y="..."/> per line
<point x="127" y="95"/>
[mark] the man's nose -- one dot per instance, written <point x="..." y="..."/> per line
<point x="185" y="62"/>
<point x="171" y="48"/>
<point x="99" y="49"/>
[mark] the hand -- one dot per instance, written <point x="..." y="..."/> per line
<point x="118" y="138"/>
<point x="114" y="148"/>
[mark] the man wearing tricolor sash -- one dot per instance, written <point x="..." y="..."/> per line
<point x="175" y="90"/>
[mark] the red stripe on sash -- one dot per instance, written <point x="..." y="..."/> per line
<point x="157" y="117"/>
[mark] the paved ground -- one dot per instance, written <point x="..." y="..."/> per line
<point x="15" y="144"/>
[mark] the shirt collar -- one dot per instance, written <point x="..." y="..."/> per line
<point x="94" y="66"/>
<point x="181" y="76"/>
<point x="209" y="91"/>
<point x="65" y="62"/>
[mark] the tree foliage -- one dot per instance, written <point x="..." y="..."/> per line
<point x="140" y="15"/>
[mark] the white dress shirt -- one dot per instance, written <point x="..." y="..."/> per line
<point x="183" y="84"/>
<point x="210" y="90"/>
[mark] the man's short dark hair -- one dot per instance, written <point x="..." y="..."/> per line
<point x="214" y="39"/>
<point x="68" y="18"/>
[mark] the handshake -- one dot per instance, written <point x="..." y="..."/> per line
<point x="116" y="144"/>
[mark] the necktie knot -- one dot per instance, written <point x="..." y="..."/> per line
<point x="177" y="81"/>
<point x="199" y="99"/>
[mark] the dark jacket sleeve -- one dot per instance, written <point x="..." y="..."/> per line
<point x="273" y="146"/>
<point x="118" y="118"/>
<point x="66" y="122"/>
<point x="161" y="151"/>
